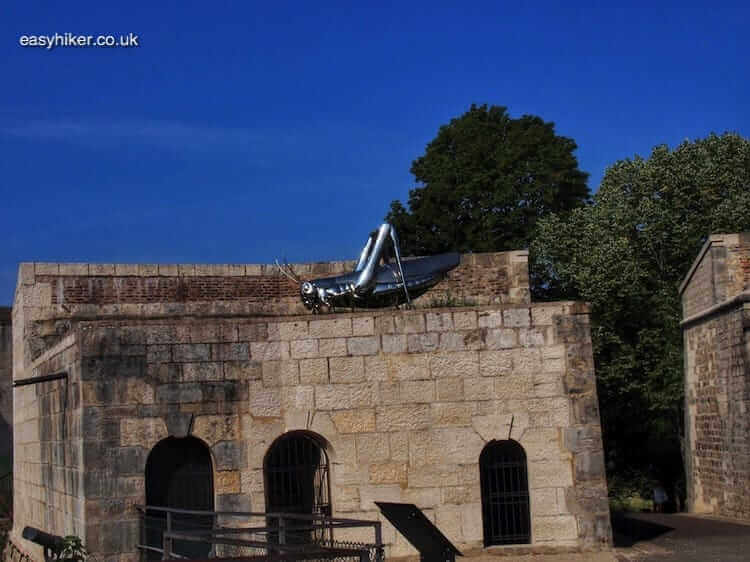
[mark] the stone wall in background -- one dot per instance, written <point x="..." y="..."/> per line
<point x="716" y="334"/>
<point x="6" y="391"/>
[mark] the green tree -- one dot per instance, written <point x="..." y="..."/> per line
<point x="484" y="181"/>
<point x="627" y="254"/>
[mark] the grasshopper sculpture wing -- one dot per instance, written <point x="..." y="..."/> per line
<point x="376" y="285"/>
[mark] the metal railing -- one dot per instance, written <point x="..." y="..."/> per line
<point x="169" y="533"/>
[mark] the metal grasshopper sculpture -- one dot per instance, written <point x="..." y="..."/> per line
<point x="372" y="285"/>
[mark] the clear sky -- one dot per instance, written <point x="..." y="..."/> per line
<point x="241" y="132"/>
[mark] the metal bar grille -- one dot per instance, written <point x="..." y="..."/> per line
<point x="297" y="482"/>
<point x="505" y="494"/>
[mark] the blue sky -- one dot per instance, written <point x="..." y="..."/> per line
<point x="242" y="132"/>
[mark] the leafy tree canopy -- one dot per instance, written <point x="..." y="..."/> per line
<point x="627" y="254"/>
<point x="484" y="181"/>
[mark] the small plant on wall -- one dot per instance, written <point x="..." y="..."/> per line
<point x="72" y="549"/>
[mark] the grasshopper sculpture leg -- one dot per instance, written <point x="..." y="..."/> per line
<point x="376" y="285"/>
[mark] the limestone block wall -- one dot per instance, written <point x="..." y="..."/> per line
<point x="716" y="335"/>
<point x="405" y="401"/>
<point x="48" y="464"/>
<point x="6" y="390"/>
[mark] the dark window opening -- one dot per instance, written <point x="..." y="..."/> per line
<point x="505" y="494"/>
<point x="296" y="474"/>
<point x="179" y="475"/>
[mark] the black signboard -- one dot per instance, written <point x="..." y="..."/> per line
<point x="409" y="520"/>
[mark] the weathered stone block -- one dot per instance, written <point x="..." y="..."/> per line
<point x="403" y="418"/>
<point x="332" y="397"/>
<point x="292" y="330"/>
<point x="531" y="337"/>
<point x="363" y="326"/>
<point x="142" y="432"/>
<point x="354" y="421"/>
<point x="242" y="370"/>
<point x="461" y="363"/>
<point x="269" y="351"/>
<point x="550" y="474"/>
<point x="543" y="315"/>
<point x="265" y="402"/>
<point x="465" y="320"/>
<point x="333" y="328"/>
<point x="450" y="389"/>
<point x="255" y="332"/>
<point x="407" y="367"/>
<point x="439" y="321"/>
<point x="313" y="371"/>
<point x="490" y="319"/>
<point x="228" y="455"/>
<point x="423" y="343"/>
<point x="399" y="443"/>
<point x="409" y="323"/>
<point x="372" y="447"/>
<point x="297" y="398"/>
<point x="333" y="347"/>
<point x="304" y="349"/>
<point x="495" y="363"/>
<point x="181" y="393"/>
<point x="378" y="492"/>
<point x="200" y="372"/>
<point x="347" y="369"/>
<point x="554" y="528"/>
<point x="416" y="392"/>
<point x="512" y="386"/>
<point x="227" y="482"/>
<point x="363" y="345"/>
<point x="191" y="352"/>
<point x="385" y="324"/>
<point x="527" y="361"/>
<point x="388" y="473"/>
<point x="433" y="476"/>
<point x="492" y="426"/>
<point x="280" y="373"/>
<point x="394" y="343"/>
<point x="516" y="318"/>
<point x="213" y="429"/>
<point x="501" y="338"/>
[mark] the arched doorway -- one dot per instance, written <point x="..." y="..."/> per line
<point x="297" y="481"/>
<point x="505" y="493"/>
<point x="179" y="474"/>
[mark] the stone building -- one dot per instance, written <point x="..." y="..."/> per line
<point x="6" y="391"/>
<point x="222" y="363"/>
<point x="716" y="319"/>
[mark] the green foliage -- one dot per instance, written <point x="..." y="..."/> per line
<point x="72" y="549"/>
<point x="484" y="181"/>
<point x="626" y="254"/>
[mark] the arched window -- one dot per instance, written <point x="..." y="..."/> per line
<point x="505" y="493"/>
<point x="179" y="475"/>
<point x="296" y="475"/>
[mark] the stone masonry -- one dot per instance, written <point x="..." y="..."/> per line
<point x="6" y="390"/>
<point x="404" y="400"/>
<point x="716" y="334"/>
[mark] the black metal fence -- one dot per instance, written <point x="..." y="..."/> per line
<point x="168" y="533"/>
